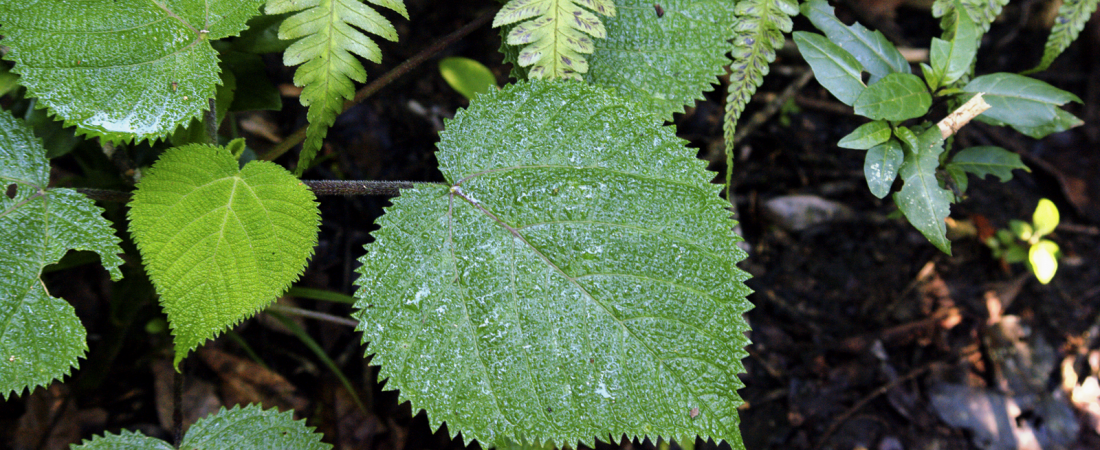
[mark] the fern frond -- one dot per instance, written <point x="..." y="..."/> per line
<point x="326" y="47"/>
<point x="557" y="34"/>
<point x="982" y="12"/>
<point x="1071" y="20"/>
<point x="760" y="27"/>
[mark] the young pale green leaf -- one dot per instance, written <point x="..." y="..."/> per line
<point x="121" y="69"/>
<point x="1045" y="217"/>
<point x="218" y="242"/>
<point x="328" y="34"/>
<point x="1028" y="105"/>
<point x="663" y="62"/>
<point x="576" y="280"/>
<point x="881" y="165"/>
<point x="877" y="55"/>
<point x="40" y="336"/>
<point x="933" y="77"/>
<point x="1072" y="16"/>
<point x="987" y="160"/>
<point x="866" y="136"/>
<point x="467" y="76"/>
<point x="248" y="428"/>
<point x="836" y="70"/>
<point x="896" y="97"/>
<point x="907" y="137"/>
<point x="556" y="34"/>
<point x="1043" y="259"/>
<point x="921" y="198"/>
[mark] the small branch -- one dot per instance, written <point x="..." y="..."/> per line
<point x="290" y="310"/>
<point x="354" y="187"/>
<point x="300" y="135"/>
<point x="958" y="119"/>
<point x="319" y="187"/>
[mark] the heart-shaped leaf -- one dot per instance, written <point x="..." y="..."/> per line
<point x="121" y="69"/>
<point x="218" y="242"/>
<point x="575" y="280"/>
<point x="248" y="428"/>
<point x="40" y="336"/>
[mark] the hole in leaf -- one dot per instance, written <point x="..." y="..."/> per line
<point x="10" y="192"/>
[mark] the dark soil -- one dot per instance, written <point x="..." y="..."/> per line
<point x="860" y="325"/>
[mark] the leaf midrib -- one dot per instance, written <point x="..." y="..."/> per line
<point x="457" y="191"/>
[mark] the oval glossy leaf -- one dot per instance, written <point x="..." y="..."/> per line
<point x="467" y="76"/>
<point x="40" y="336"/>
<point x="218" y="242"/>
<point x="836" y="70"/>
<point x="896" y="97"/>
<point x="881" y="165"/>
<point x="575" y="279"/>
<point x="121" y="69"/>
<point x="925" y="204"/>
<point x="248" y="428"/>
<point x="1043" y="258"/>
<point x="1026" y="104"/>
<point x="866" y="136"/>
<point x="1045" y="218"/>
<point x="988" y="160"/>
<point x="877" y="55"/>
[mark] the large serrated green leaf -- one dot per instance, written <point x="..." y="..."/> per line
<point x="1072" y="16"/>
<point x="248" y="428"/>
<point x="921" y="198"/>
<point x="878" y="56"/>
<point x="575" y="280"/>
<point x="40" y="336"/>
<point x="121" y="69"/>
<point x="836" y="69"/>
<point x="663" y="62"/>
<point x="1028" y="105"/>
<point x="328" y="36"/>
<point x="218" y="242"/>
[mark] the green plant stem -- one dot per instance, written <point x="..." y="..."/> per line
<point x="320" y="294"/>
<point x="320" y="353"/>
<point x="319" y="187"/>
<point x="366" y="91"/>
<point x="313" y="315"/>
<point x="212" y="122"/>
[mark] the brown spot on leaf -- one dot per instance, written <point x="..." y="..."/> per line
<point x="10" y="192"/>
<point x="660" y="10"/>
<point x="694" y="412"/>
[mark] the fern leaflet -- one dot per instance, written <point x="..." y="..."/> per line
<point x="556" y="33"/>
<point x="327" y="44"/>
<point x="760" y="27"/>
<point x="1071" y="20"/>
<point x="982" y="12"/>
